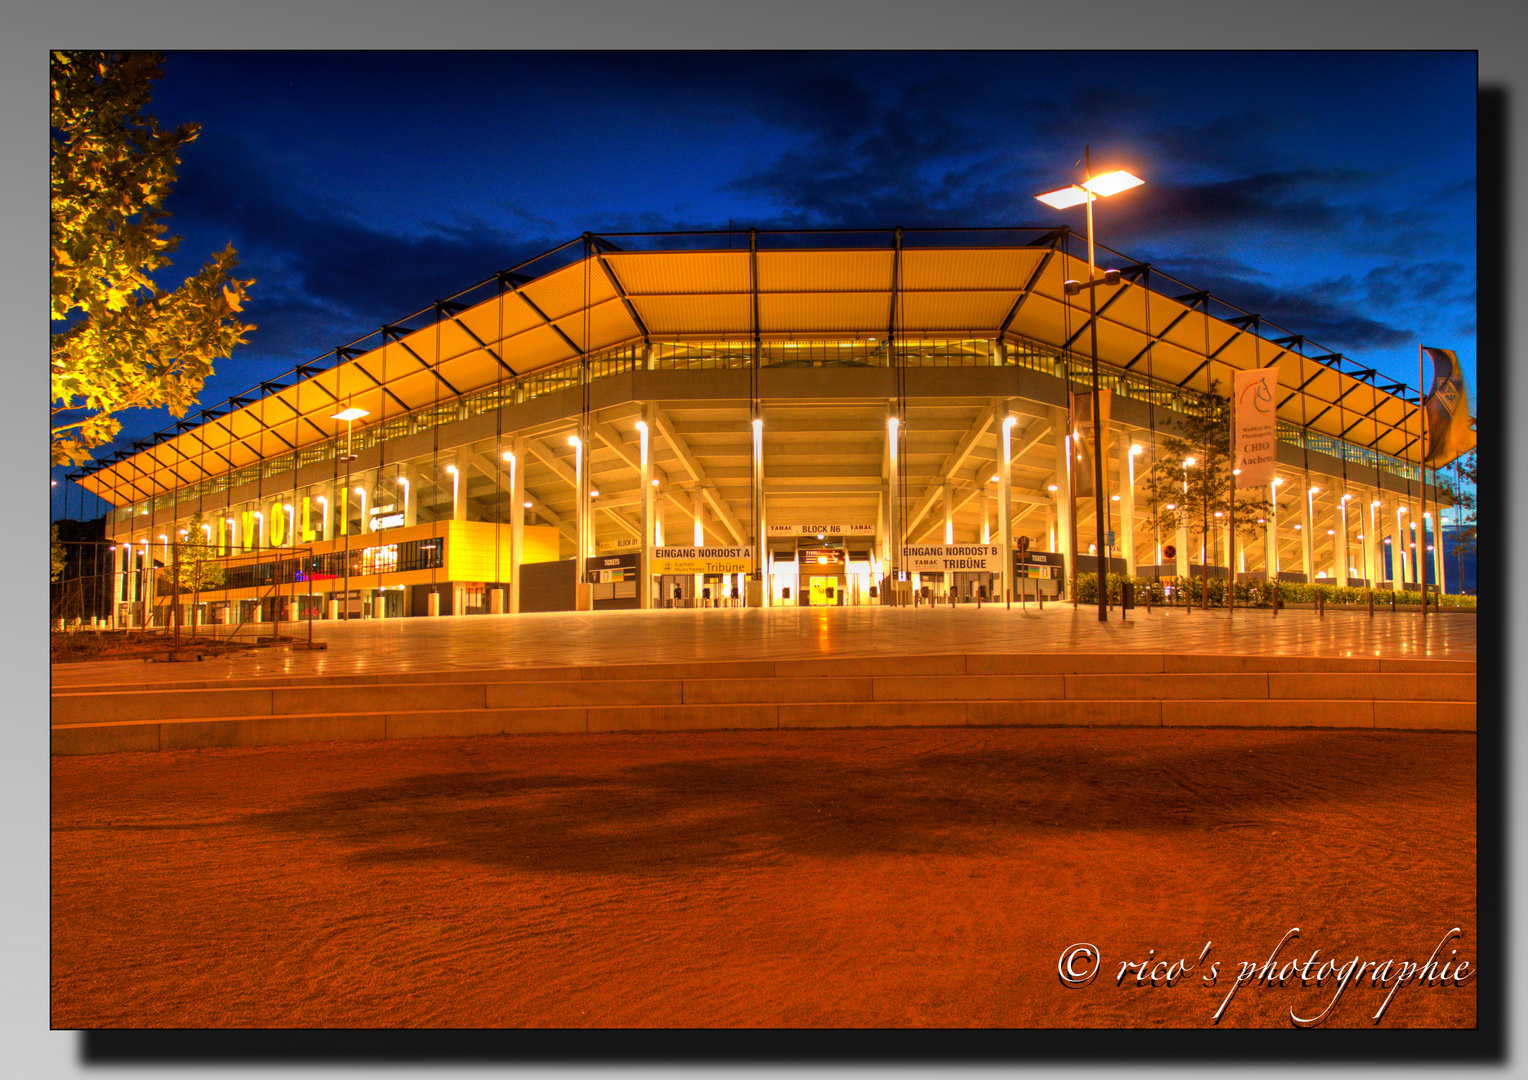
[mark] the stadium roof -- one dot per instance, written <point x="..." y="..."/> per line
<point x="599" y="292"/>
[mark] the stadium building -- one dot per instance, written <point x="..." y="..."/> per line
<point x="758" y="418"/>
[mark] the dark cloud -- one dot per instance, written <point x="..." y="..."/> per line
<point x="308" y="253"/>
<point x="1316" y="311"/>
<point x="1397" y="284"/>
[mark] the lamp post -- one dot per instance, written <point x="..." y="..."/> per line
<point x="1092" y="188"/>
<point x="350" y="416"/>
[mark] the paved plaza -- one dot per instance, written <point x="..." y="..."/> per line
<point x="636" y="637"/>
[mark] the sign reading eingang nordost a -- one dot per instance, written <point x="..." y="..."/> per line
<point x="930" y="558"/>
<point x="702" y="560"/>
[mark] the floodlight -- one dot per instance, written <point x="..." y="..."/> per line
<point x="1061" y="198"/>
<point x="1112" y="183"/>
<point x="349" y="414"/>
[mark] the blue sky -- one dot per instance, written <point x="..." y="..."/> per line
<point x="1332" y="192"/>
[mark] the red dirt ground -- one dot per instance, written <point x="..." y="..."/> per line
<point x="899" y="877"/>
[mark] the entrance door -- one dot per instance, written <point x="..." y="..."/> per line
<point x="824" y="591"/>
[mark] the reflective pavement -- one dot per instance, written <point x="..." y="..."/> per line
<point x="635" y="637"/>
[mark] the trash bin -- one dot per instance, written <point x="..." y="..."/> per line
<point x="1127" y="595"/>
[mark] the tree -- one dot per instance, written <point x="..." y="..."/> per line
<point x="194" y="565"/>
<point x="56" y="554"/>
<point x="126" y="343"/>
<point x="1465" y="537"/>
<point x="1190" y="480"/>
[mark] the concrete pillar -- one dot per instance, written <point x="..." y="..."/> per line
<point x="1050" y="524"/>
<point x="698" y="507"/>
<point x="516" y="520"/>
<point x="358" y="488"/>
<point x="458" y="494"/>
<point x="1398" y="548"/>
<point x="1005" y="498"/>
<point x="1437" y="549"/>
<point x="1271" y="536"/>
<point x="1065" y="542"/>
<point x="649" y="497"/>
<point x="893" y="515"/>
<point x="1127" y="501"/>
<point x="406" y="480"/>
<point x="949" y="513"/>
<point x="327" y="512"/>
<point x="1307" y="540"/>
<point x="1371" y="536"/>
<point x="756" y="593"/>
<point x="987" y="516"/>
<point x="1340" y="548"/>
<point x="581" y="508"/>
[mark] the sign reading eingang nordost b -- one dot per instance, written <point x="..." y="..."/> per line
<point x="702" y="560"/>
<point x="928" y="558"/>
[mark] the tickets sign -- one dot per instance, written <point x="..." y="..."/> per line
<point x="930" y="558"/>
<point x="702" y="560"/>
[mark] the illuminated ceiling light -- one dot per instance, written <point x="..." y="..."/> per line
<point x="1188" y="462"/>
<point x="351" y="413"/>
<point x="287" y="507"/>
<point x="594" y="494"/>
<point x="573" y="440"/>
<point x="822" y="536"/>
<point x="1314" y="490"/>
<point x="1235" y="472"/>
<point x="1137" y="449"/>
<point x="1278" y="480"/>
<point x="450" y="468"/>
<point x="655" y="483"/>
<point x="1260" y="521"/>
<point x="1402" y="510"/>
<point x="1360" y="536"/>
<point x="1010" y="421"/>
<point x="1051" y="488"/>
<point x="507" y="457"/>
<point x="162" y="536"/>
<point x="1345" y="498"/>
<point x="1114" y="497"/>
<point x="1297" y="527"/>
<point x="1172" y="506"/>
<point x="996" y="478"/>
<point x="1331" y="532"/>
<point x="641" y="425"/>
<point x="361" y="492"/>
<point x="1219" y="514"/>
<point x="322" y="499"/>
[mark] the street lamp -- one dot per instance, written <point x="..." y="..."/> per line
<point x="1094" y="187"/>
<point x="350" y="415"/>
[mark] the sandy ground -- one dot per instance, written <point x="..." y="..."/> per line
<point x="833" y="878"/>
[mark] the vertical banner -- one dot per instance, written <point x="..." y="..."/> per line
<point x="1254" y="433"/>
<point x="1449" y="431"/>
<point x="1082" y="439"/>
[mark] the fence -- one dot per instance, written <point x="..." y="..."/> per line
<point x="162" y="588"/>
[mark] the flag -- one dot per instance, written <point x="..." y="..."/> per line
<point x="1449" y="426"/>
<point x="1254" y="435"/>
<point x="1082" y="440"/>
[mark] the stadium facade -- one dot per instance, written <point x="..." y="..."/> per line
<point x="792" y="418"/>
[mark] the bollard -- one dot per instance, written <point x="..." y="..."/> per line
<point x="1320" y="605"/>
<point x="1371" y="603"/>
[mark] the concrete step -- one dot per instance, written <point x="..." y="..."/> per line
<point x="225" y="731"/>
<point x="414" y="694"/>
<point x="1152" y="689"/>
